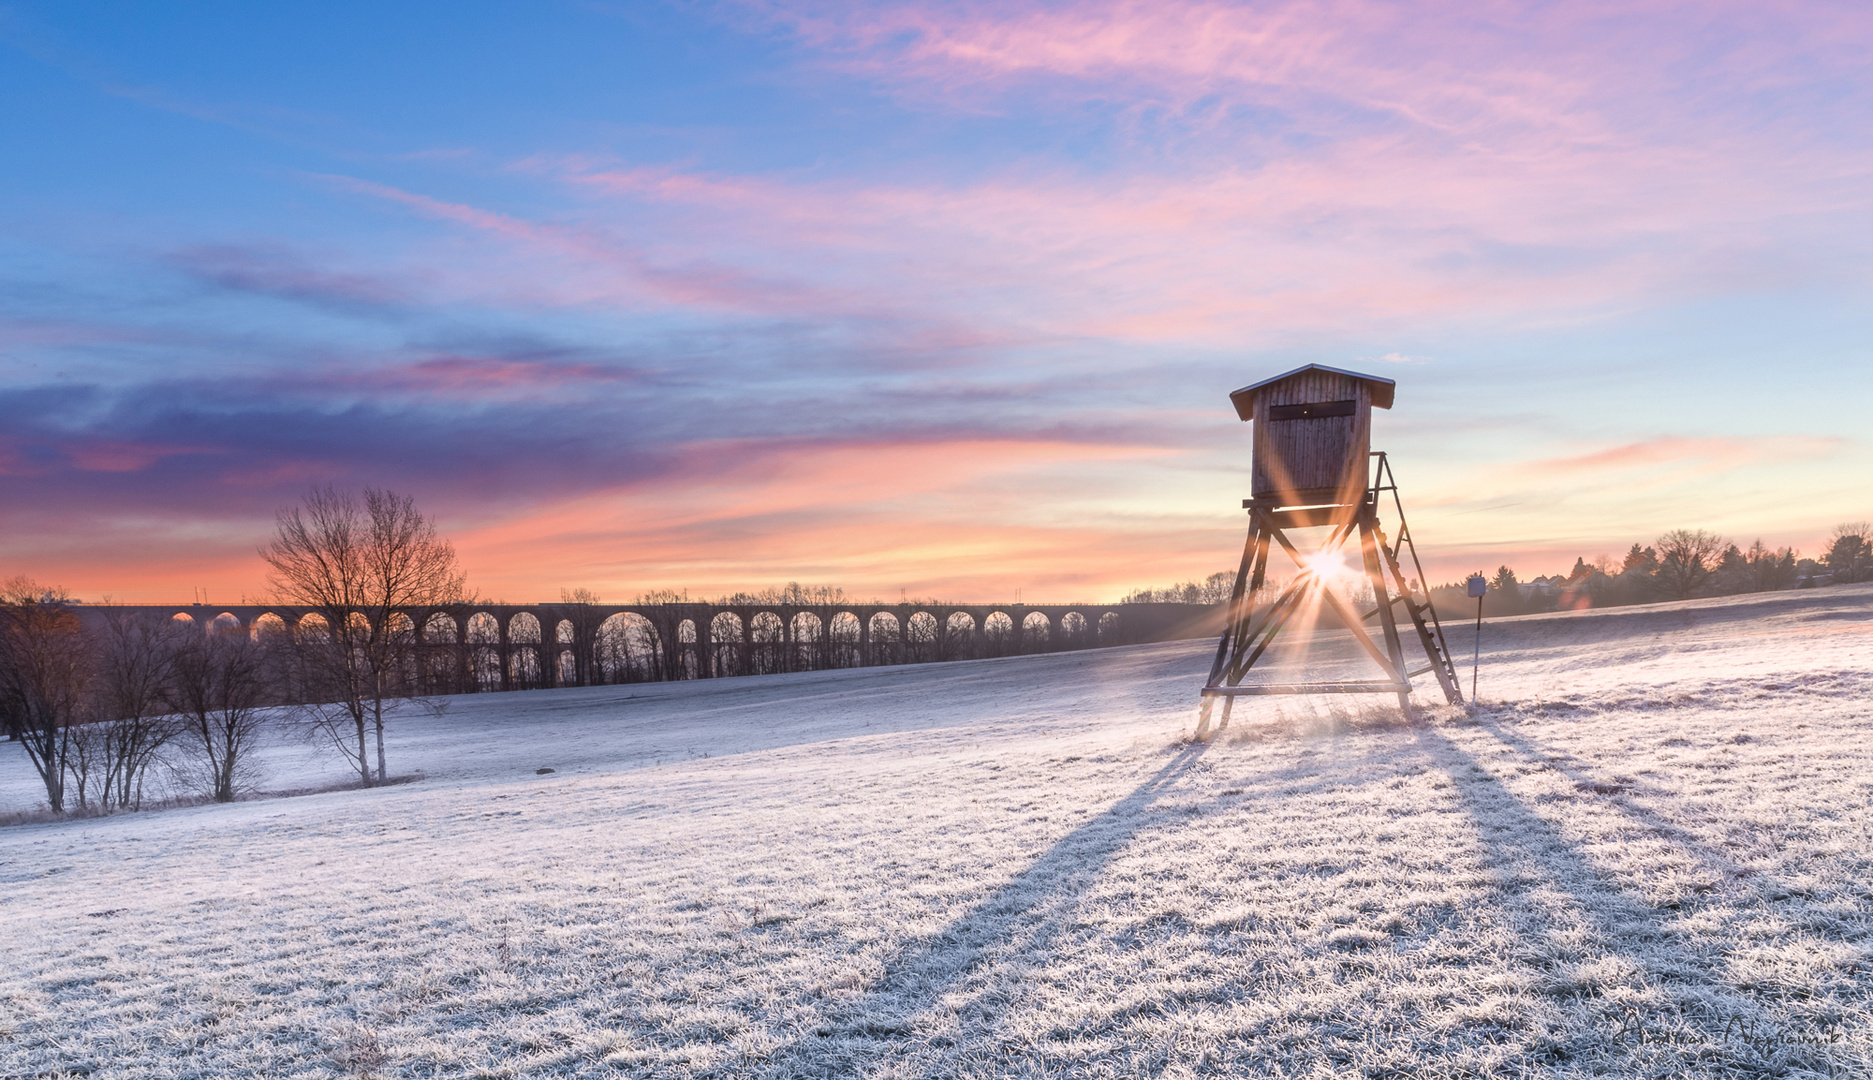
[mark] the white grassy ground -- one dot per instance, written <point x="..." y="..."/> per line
<point x="1646" y="854"/>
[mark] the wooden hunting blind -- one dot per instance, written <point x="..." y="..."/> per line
<point x="1313" y="430"/>
<point x="1312" y="466"/>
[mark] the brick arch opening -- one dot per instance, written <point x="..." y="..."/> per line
<point x="844" y="635"/>
<point x="998" y="634"/>
<point x="923" y="636"/>
<point x="767" y="636"/>
<point x="885" y="634"/>
<point x="1036" y="632"/>
<point x="725" y="641"/>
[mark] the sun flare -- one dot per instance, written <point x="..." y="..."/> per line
<point x="1328" y="566"/>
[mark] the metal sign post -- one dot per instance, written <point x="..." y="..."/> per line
<point x="1479" y="587"/>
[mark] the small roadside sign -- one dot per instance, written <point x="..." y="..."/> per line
<point x="1478" y="586"/>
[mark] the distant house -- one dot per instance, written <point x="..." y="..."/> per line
<point x="1542" y="588"/>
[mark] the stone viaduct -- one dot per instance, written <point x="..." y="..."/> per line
<point x="484" y="647"/>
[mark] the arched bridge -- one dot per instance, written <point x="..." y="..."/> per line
<point x="459" y="648"/>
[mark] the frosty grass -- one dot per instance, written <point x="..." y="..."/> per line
<point x="1645" y="854"/>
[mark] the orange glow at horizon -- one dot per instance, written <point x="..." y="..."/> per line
<point x="964" y="519"/>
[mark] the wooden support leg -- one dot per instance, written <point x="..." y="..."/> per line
<point x="1236" y="619"/>
<point x="1369" y="550"/>
<point x="1203" y="718"/>
<point x="1259" y="544"/>
<point x="1238" y="613"/>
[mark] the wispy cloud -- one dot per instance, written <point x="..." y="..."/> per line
<point x="275" y="271"/>
<point x="1701" y="456"/>
<point x="1580" y="72"/>
<point x="592" y="265"/>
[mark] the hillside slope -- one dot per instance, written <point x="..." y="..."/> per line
<point x="1646" y="853"/>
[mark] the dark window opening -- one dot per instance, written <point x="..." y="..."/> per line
<point x="1314" y="411"/>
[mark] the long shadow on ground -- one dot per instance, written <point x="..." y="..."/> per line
<point x="1702" y="1027"/>
<point x="1717" y="863"/>
<point x="905" y="1010"/>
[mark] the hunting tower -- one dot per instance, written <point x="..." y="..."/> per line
<point x="1313" y="467"/>
<point x="1313" y="431"/>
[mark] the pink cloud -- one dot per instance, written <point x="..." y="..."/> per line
<point x="1291" y="246"/>
<point x="872" y="515"/>
<point x="467" y="377"/>
<point x="591" y="265"/>
<point x="1698" y="455"/>
<point x="1495" y="161"/>
<point x="104" y="455"/>
<point x="1456" y="68"/>
<point x="89" y="454"/>
<point x="437" y="208"/>
<point x="479" y="373"/>
<point x="1502" y="163"/>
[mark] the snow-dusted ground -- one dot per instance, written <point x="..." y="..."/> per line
<point x="1647" y="853"/>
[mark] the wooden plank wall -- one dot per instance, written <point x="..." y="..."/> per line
<point x="1319" y="460"/>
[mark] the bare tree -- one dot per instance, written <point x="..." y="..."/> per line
<point x="43" y="671"/>
<point x="1685" y="557"/>
<point x="657" y="636"/>
<point x="84" y="763"/>
<point x="218" y="684"/>
<point x="585" y="627"/>
<point x="134" y="656"/>
<point x="359" y="562"/>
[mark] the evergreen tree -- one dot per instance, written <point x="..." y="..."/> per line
<point x="1644" y="560"/>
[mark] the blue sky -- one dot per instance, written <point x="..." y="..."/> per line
<point x="940" y="298"/>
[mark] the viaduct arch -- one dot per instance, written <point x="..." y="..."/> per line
<point x="485" y="647"/>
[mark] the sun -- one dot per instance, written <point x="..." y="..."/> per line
<point x="1329" y="566"/>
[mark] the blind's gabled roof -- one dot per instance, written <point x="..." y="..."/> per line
<point x="1244" y="399"/>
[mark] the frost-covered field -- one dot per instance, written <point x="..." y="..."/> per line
<point x="1647" y="853"/>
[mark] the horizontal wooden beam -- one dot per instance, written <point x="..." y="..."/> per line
<point x="1370" y="686"/>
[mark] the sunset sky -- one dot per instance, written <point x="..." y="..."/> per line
<point x="941" y="299"/>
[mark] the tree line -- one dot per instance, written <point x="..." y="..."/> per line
<point x="1681" y="564"/>
<point x="104" y="703"/>
<point x="1214" y="589"/>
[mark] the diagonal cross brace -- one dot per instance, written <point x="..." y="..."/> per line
<point x="1248" y="635"/>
